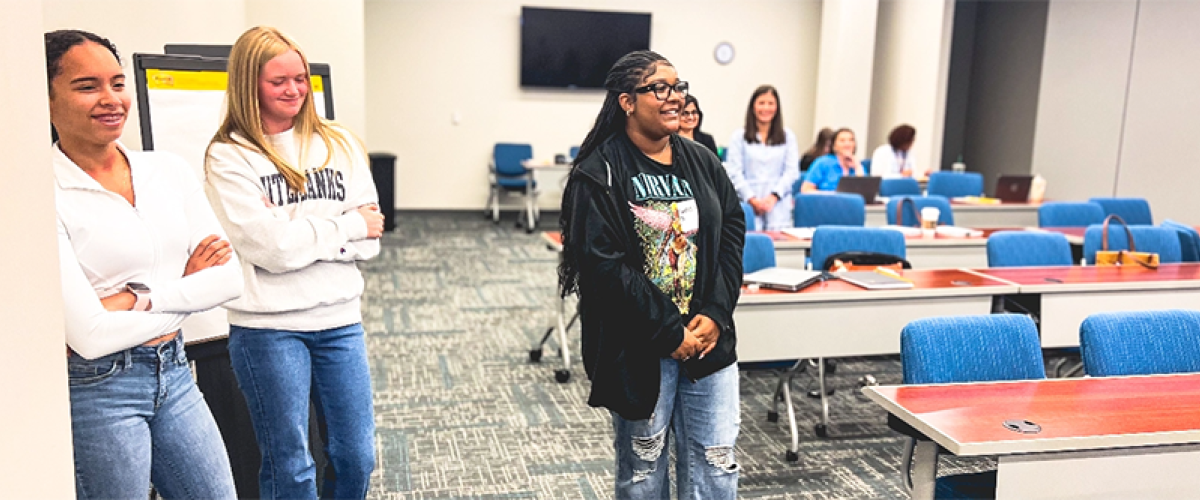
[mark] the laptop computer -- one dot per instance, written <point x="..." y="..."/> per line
<point x="872" y="280"/>
<point x="783" y="278"/>
<point x="1013" y="188"/>
<point x="867" y="187"/>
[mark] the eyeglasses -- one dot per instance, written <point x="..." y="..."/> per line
<point x="689" y="114"/>
<point x="662" y="91"/>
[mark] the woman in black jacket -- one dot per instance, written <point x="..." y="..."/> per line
<point x="653" y="234"/>
<point x="690" y="120"/>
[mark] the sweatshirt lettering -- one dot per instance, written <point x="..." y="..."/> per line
<point x="661" y="187"/>
<point x="324" y="184"/>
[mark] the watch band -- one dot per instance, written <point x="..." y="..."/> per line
<point x="143" y="302"/>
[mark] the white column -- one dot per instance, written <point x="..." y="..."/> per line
<point x="35" y="443"/>
<point x="845" y="67"/>
<point x="912" y="64"/>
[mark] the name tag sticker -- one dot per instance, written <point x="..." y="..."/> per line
<point x="689" y="215"/>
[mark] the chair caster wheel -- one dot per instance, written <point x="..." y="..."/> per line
<point x="562" y="376"/>
<point x="792" y="456"/>
<point x="816" y="394"/>
<point x="772" y="416"/>
<point x="529" y="230"/>
<point x="535" y="355"/>
<point x="821" y="430"/>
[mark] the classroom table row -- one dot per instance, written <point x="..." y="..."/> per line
<point x="973" y="214"/>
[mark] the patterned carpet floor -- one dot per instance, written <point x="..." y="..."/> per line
<point x="451" y="309"/>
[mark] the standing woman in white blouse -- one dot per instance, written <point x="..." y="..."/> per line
<point x="895" y="159"/>
<point x="763" y="161"/>
<point x="139" y="250"/>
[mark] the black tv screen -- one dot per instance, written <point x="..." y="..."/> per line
<point x="576" y="48"/>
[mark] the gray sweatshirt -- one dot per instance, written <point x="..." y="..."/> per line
<point x="297" y="250"/>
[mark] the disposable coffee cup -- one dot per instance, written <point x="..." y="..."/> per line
<point x="929" y="220"/>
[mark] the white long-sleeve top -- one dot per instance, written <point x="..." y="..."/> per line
<point x="757" y="170"/>
<point x="889" y="163"/>
<point x="297" y="251"/>
<point x="104" y="243"/>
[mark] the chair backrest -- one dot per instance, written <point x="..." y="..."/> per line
<point x="1189" y="240"/>
<point x="866" y="165"/>
<point x="955" y="184"/>
<point x="1140" y="343"/>
<point x="899" y="186"/>
<point x="751" y="218"/>
<point x="990" y="347"/>
<point x="829" y="240"/>
<point x="1133" y="210"/>
<point x="1028" y="248"/>
<point x="946" y="217"/>
<point x="829" y="209"/>
<point x="758" y="253"/>
<point x="1070" y="214"/>
<point x="1160" y="240"/>
<point x="508" y="157"/>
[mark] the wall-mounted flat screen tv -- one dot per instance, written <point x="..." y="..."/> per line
<point x="576" y="48"/>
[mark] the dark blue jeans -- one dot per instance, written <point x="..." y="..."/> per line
<point x="137" y="418"/>
<point x="705" y="419"/>
<point x="279" y="372"/>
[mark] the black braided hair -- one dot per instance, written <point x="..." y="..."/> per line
<point x="626" y="74"/>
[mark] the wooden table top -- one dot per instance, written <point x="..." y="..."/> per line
<point x="928" y="283"/>
<point x="1087" y="278"/>
<point x="1074" y="413"/>
<point x="784" y="240"/>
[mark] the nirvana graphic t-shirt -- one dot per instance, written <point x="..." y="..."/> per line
<point x="666" y="219"/>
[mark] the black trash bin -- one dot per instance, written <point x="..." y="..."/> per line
<point x="383" y="170"/>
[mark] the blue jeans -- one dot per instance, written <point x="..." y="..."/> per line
<point x="279" y="372"/>
<point x="137" y="418"/>
<point x="704" y="416"/>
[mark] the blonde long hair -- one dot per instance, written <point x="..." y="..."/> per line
<point x="250" y="53"/>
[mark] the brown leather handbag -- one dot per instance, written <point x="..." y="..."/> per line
<point x="912" y="206"/>
<point x="1131" y="257"/>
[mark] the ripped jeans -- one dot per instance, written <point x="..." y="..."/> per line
<point x="704" y="416"/>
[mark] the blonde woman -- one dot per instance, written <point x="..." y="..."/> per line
<point x="295" y="195"/>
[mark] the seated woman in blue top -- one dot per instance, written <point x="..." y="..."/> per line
<point x="763" y="161"/>
<point x="827" y="170"/>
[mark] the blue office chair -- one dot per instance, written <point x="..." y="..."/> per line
<point x="946" y="217"/>
<point x="1070" y="214"/>
<point x="1189" y="240"/>
<point x="751" y="218"/>
<point x="1027" y="248"/>
<point x="866" y="165"/>
<point x="957" y="349"/>
<point x="1163" y="241"/>
<point x="832" y="240"/>
<point x="1133" y="210"/>
<point x="901" y="186"/>
<point x="508" y="175"/>
<point x="955" y="184"/>
<point x="758" y="253"/>
<point x="829" y="209"/>
<point x="1141" y="343"/>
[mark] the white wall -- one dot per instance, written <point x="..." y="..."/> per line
<point x="1160" y="154"/>
<point x="912" y="62"/>
<point x="1122" y="120"/>
<point x="847" y="61"/>
<point x="1082" y="99"/>
<point x="426" y="61"/>
<point x="334" y="35"/>
<point x="35" y="425"/>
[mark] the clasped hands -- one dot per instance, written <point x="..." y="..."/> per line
<point x="763" y="205"/>
<point x="699" y="338"/>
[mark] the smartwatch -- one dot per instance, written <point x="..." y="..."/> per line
<point x="142" y="292"/>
